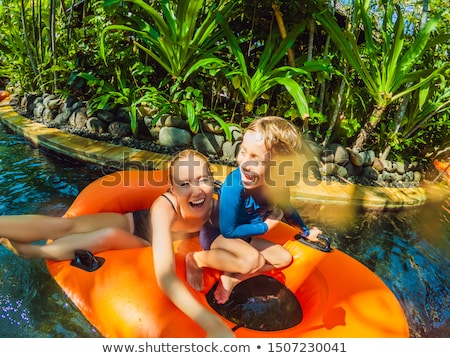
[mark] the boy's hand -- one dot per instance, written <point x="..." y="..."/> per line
<point x="313" y="232"/>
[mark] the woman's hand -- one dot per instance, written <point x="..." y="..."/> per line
<point x="216" y="328"/>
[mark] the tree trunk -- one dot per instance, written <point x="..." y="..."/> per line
<point x="368" y="128"/>
<point x="52" y="19"/>
<point x="280" y="22"/>
<point x="336" y="109"/>
<point x="27" y="42"/>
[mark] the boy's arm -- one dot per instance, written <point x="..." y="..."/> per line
<point x="230" y="203"/>
<point x="291" y="214"/>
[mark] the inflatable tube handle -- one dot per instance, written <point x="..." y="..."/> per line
<point x="324" y="243"/>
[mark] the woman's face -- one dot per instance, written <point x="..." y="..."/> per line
<point x="253" y="160"/>
<point x="193" y="185"/>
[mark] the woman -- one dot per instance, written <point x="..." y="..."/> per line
<point x="177" y="214"/>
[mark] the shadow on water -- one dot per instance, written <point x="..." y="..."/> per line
<point x="407" y="249"/>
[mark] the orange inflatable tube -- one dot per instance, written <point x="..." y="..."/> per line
<point x="444" y="168"/>
<point x="339" y="296"/>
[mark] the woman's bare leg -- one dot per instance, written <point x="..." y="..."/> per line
<point x="98" y="232"/>
<point x="30" y="228"/>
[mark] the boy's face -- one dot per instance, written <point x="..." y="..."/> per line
<point x="253" y="160"/>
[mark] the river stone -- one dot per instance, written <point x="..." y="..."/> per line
<point x="63" y="117"/>
<point x="355" y="158"/>
<point x="105" y="115"/>
<point x="38" y="110"/>
<point x="341" y="156"/>
<point x="49" y="114"/>
<point x="327" y="156"/>
<point x="212" y="127"/>
<point x="208" y="143"/>
<point x="119" y="129"/>
<point x="417" y="176"/>
<point x="169" y="120"/>
<point x="352" y="170"/>
<point x="387" y="165"/>
<point x="46" y="98"/>
<point x="399" y="167"/>
<point x="378" y="165"/>
<point x="96" y="125"/>
<point x="54" y="103"/>
<point x="236" y="133"/>
<point x="174" y="137"/>
<point x="370" y="173"/>
<point x="78" y="118"/>
<point x="230" y="150"/>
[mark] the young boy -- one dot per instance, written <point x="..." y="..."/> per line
<point x="251" y="203"/>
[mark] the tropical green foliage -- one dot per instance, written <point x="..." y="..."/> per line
<point x="386" y="66"/>
<point x="370" y="73"/>
<point x="267" y="73"/>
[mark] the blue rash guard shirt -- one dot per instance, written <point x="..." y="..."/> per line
<point x="242" y="212"/>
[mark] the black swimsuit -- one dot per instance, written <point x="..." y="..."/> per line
<point x="141" y="219"/>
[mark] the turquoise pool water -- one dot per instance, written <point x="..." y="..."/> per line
<point x="408" y="249"/>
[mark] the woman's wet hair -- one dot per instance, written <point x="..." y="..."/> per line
<point x="186" y="154"/>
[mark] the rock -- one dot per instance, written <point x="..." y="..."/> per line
<point x="49" y="114"/>
<point x="341" y="171"/>
<point x="417" y="176"/>
<point x="328" y="169"/>
<point x="38" y="110"/>
<point x="370" y="173"/>
<point x="212" y="127"/>
<point x="327" y="156"/>
<point x="96" y="125"/>
<point x="122" y="115"/>
<point x="367" y="157"/>
<point x="208" y="143"/>
<point x="174" y="137"/>
<point x="352" y="170"/>
<point x="78" y="118"/>
<point x="77" y="105"/>
<point x="409" y="176"/>
<point x="378" y="165"/>
<point x="46" y="98"/>
<point x="119" y="129"/>
<point x="230" y="150"/>
<point x="341" y="155"/>
<point x="54" y="104"/>
<point x="399" y="167"/>
<point x="355" y="158"/>
<point x="387" y="165"/>
<point x="168" y="120"/>
<point x="236" y="133"/>
<point x="63" y="118"/>
<point x="105" y="115"/>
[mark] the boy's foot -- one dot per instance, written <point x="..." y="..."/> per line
<point x="194" y="273"/>
<point x="224" y="289"/>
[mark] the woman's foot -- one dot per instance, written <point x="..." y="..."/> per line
<point x="194" y="273"/>
<point x="11" y="246"/>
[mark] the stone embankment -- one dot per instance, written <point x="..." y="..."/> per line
<point x="105" y="139"/>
